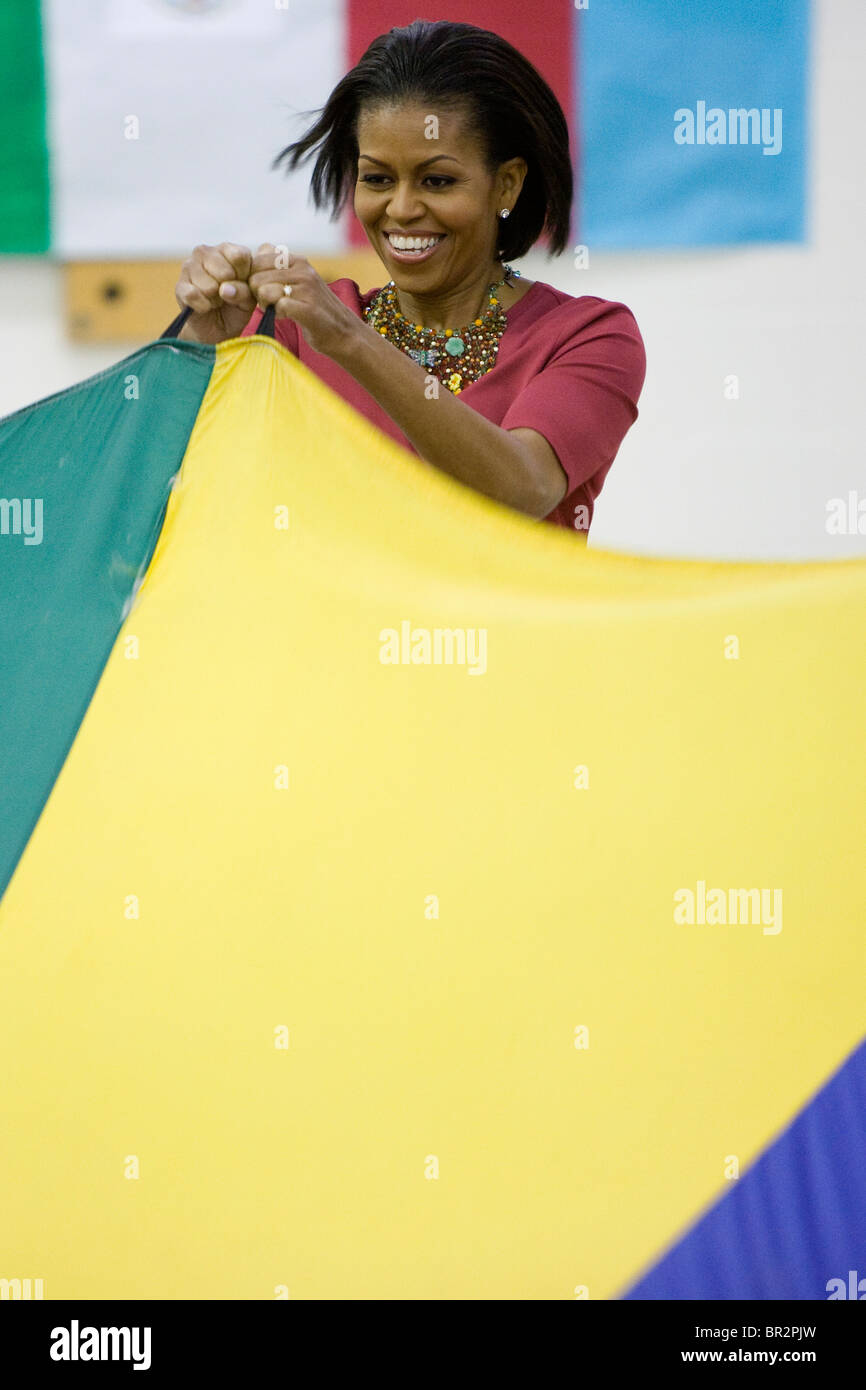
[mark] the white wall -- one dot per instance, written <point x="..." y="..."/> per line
<point x="698" y="475"/>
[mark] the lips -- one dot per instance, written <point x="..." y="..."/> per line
<point x="413" y="241"/>
<point x="410" y="253"/>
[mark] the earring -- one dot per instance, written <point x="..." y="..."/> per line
<point x="504" y="213"/>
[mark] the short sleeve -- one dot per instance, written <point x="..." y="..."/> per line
<point x="584" y="399"/>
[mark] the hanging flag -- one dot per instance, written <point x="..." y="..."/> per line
<point x="695" y="125"/>
<point x="402" y="901"/>
<point x="143" y="127"/>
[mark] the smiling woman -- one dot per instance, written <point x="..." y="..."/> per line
<point x="455" y="152"/>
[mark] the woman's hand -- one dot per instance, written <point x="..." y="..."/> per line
<point x="213" y="283"/>
<point x="328" y="324"/>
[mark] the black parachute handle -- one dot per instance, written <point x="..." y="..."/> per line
<point x="266" y="327"/>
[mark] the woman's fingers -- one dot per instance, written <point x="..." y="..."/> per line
<point x="237" y="293"/>
<point x="231" y="276"/>
<point x="207" y="273"/>
<point x="234" y="287"/>
<point x="269" y="257"/>
<point x="271" y="292"/>
<point x="240" y="259"/>
<point x="189" y="296"/>
<point x="273" y="267"/>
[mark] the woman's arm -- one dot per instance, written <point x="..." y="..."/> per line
<point x="517" y="467"/>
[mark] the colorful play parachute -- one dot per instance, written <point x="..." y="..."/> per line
<point x="403" y="900"/>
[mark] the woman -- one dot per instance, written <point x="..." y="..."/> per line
<point x="457" y="152"/>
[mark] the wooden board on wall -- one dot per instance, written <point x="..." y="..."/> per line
<point x="133" y="301"/>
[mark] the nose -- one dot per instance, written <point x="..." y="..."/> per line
<point x="405" y="205"/>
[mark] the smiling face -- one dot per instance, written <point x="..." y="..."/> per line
<point x="430" y="206"/>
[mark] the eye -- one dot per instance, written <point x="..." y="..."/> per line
<point x="436" y="181"/>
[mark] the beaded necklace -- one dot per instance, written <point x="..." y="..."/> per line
<point x="458" y="357"/>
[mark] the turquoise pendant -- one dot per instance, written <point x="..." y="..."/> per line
<point x="454" y="346"/>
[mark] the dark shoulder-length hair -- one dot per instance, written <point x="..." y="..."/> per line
<point x="452" y="65"/>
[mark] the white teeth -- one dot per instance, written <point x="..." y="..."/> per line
<point x="413" y="243"/>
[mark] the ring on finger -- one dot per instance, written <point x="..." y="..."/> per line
<point x="287" y="289"/>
